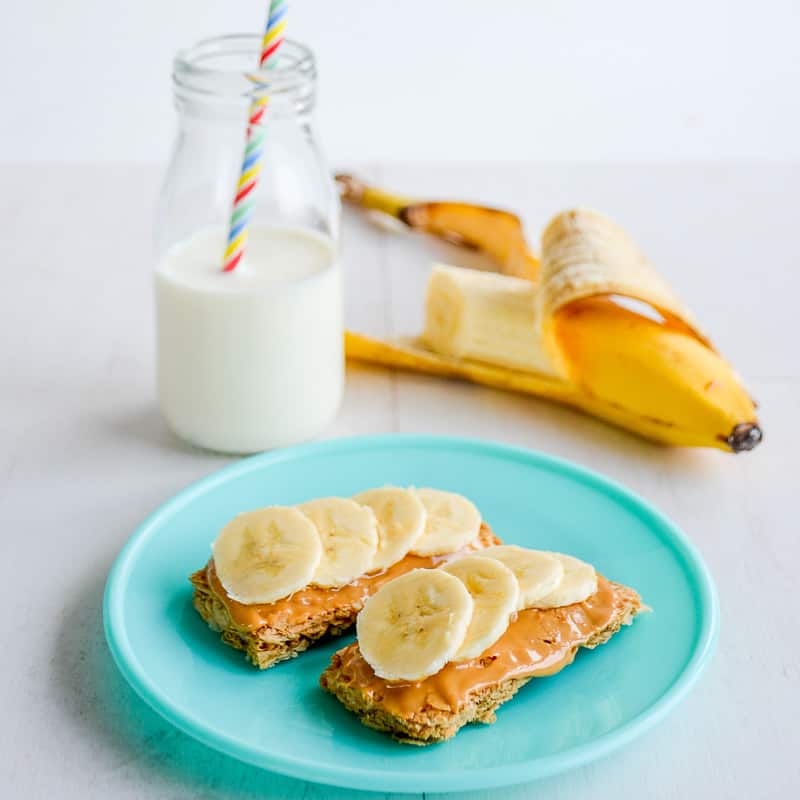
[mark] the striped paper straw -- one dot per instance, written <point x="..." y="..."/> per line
<point x="243" y="202"/>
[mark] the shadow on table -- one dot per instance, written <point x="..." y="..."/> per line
<point x="141" y="747"/>
<point x="429" y="404"/>
<point x="145" y="425"/>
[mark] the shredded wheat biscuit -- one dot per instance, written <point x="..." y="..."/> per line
<point x="437" y="722"/>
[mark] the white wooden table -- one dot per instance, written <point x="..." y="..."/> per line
<point x="84" y="457"/>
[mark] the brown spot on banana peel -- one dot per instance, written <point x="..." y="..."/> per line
<point x="458" y="240"/>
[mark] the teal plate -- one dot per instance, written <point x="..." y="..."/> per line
<point x="281" y="720"/>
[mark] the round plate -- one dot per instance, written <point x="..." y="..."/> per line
<point x="281" y="720"/>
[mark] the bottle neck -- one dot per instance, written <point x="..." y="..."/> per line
<point x="219" y="78"/>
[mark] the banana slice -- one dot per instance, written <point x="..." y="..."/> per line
<point x="264" y="555"/>
<point x="401" y="521"/>
<point x="452" y="522"/>
<point x="578" y="583"/>
<point x="349" y="534"/>
<point x="538" y="573"/>
<point x="412" y="626"/>
<point x="495" y="594"/>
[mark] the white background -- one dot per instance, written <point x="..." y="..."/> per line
<point x="436" y="80"/>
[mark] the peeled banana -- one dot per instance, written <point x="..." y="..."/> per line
<point x="594" y="326"/>
<point x="485" y="317"/>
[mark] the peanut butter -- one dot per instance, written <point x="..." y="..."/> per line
<point x="312" y="600"/>
<point x="536" y="643"/>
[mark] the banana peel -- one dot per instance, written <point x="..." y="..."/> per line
<point x="496" y="233"/>
<point x="657" y="376"/>
<point x="411" y="354"/>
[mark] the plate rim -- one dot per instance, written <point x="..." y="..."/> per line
<point x="406" y="780"/>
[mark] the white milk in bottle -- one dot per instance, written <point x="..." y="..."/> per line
<point x="251" y="359"/>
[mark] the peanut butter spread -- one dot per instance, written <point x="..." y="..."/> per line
<point x="536" y="643"/>
<point x="312" y="600"/>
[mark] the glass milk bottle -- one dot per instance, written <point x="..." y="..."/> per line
<point x="250" y="359"/>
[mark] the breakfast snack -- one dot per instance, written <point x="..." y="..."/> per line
<point x="432" y="657"/>
<point x="281" y="578"/>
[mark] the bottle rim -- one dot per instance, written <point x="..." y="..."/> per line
<point x="227" y="66"/>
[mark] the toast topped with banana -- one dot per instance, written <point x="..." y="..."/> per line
<point x="440" y="648"/>
<point x="280" y="578"/>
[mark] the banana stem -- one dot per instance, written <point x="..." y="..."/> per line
<point x="357" y="193"/>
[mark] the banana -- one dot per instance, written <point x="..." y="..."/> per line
<point x="349" y="535"/>
<point x="401" y="520"/>
<point x="412" y="626"/>
<point x="264" y="555"/>
<point x="485" y="317"/>
<point x="452" y="522"/>
<point x="538" y="573"/>
<point x="495" y="594"/>
<point x="578" y="582"/>
<point x="599" y="331"/>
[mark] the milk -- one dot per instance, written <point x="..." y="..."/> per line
<point x="252" y="359"/>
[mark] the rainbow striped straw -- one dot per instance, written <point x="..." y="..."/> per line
<point x="251" y="165"/>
